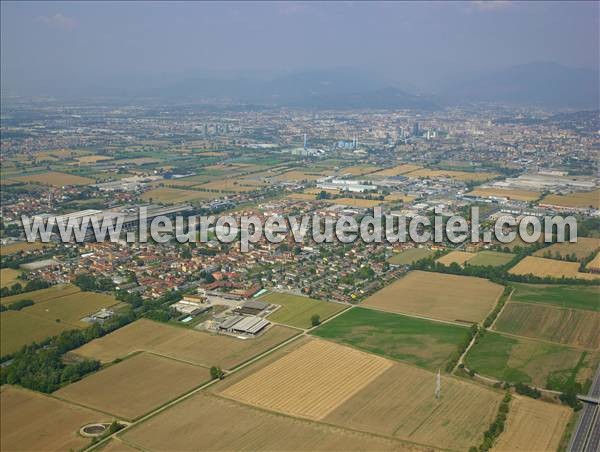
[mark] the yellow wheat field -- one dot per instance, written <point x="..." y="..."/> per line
<point x="583" y="199"/>
<point x="455" y="257"/>
<point x="55" y="179"/>
<point x="91" y="159"/>
<point x="583" y="248"/>
<point x="311" y="381"/>
<point x="533" y="425"/>
<point x="438" y="296"/>
<point x="398" y="170"/>
<point x="359" y="170"/>
<point x="553" y="268"/>
<point x="355" y="202"/>
<point x="208" y="422"/>
<point x="34" y="421"/>
<point x="594" y="264"/>
<point x="460" y="175"/>
<point x="517" y="195"/>
<point x="401" y="404"/>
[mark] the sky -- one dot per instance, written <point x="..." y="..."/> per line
<point x="48" y="45"/>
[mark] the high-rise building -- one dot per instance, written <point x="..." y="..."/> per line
<point x="416" y="131"/>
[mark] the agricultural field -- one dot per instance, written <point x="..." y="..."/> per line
<point x="517" y="195"/>
<point x="397" y="170"/>
<point x="410" y="256"/>
<point x="575" y="297"/>
<point x="583" y="199"/>
<point x="393" y="197"/>
<point x="9" y="276"/>
<point x="439" y="296"/>
<point x="116" y="445"/>
<point x="420" y="342"/>
<point x="514" y="359"/>
<point x="533" y="425"/>
<point x="518" y="242"/>
<point x="355" y="202"/>
<point x="70" y="309"/>
<point x="359" y="170"/>
<point x="584" y="247"/>
<point x="316" y="191"/>
<point x="137" y="385"/>
<point x="18" y="329"/>
<point x="400" y="404"/>
<point x="297" y="176"/>
<point x="311" y="381"/>
<point x="297" y="311"/>
<point x="55" y="179"/>
<point x="214" y="423"/>
<point x="92" y="159"/>
<point x="541" y="267"/>
<point x="231" y="185"/>
<point x="196" y="347"/>
<point x="490" y="258"/>
<point x="459" y="175"/>
<point x="14" y="248"/>
<point x="34" y="421"/>
<point x="302" y="196"/>
<point x="56" y="309"/>
<point x="137" y="161"/>
<point x="455" y="257"/>
<point x="168" y="195"/>
<point x="565" y="326"/>
<point x="594" y="263"/>
<point x="38" y="296"/>
<point x="60" y="154"/>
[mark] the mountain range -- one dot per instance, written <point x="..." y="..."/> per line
<point x="539" y="84"/>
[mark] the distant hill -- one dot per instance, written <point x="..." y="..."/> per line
<point x="311" y="89"/>
<point x="545" y="84"/>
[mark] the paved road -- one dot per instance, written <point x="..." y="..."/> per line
<point x="586" y="437"/>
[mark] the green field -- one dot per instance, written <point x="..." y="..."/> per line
<point x="18" y="329"/>
<point x="71" y="308"/>
<point x="297" y="311"/>
<point x="576" y="297"/>
<point x="49" y="316"/>
<point x="421" y="342"/>
<point x="528" y="361"/>
<point x="410" y="256"/>
<point x="490" y="258"/>
<point x="38" y="296"/>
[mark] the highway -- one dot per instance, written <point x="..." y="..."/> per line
<point x="586" y="437"/>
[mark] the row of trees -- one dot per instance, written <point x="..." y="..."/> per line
<point x="498" y="275"/>
<point x="91" y="283"/>
<point x="40" y="367"/>
<point x="17" y="305"/>
<point x="16" y="260"/>
<point x="17" y="288"/>
<point x="473" y="333"/>
<point x="496" y="427"/>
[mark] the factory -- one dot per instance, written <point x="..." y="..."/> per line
<point x="129" y="216"/>
<point x="346" y="185"/>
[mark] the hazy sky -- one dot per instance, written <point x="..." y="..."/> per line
<point x="55" y="43"/>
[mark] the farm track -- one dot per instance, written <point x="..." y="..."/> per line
<point x="189" y="394"/>
<point x="304" y="333"/>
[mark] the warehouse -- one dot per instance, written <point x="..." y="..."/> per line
<point x="250" y="325"/>
<point x="253" y="307"/>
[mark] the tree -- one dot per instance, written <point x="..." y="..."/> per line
<point x="216" y="373"/>
<point x="315" y="320"/>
